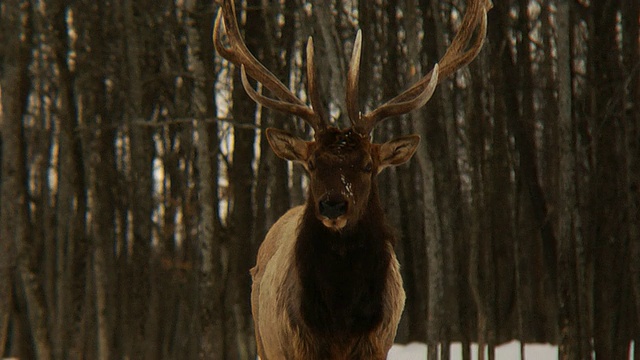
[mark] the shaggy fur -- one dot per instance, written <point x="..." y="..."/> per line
<point x="319" y="294"/>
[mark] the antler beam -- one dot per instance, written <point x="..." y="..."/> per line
<point x="238" y="54"/>
<point x="417" y="95"/>
<point x="459" y="54"/>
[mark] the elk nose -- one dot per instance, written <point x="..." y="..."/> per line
<point x="333" y="209"/>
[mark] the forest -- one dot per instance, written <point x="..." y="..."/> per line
<point x="136" y="183"/>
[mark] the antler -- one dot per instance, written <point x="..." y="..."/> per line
<point x="417" y="95"/>
<point x="238" y="54"/>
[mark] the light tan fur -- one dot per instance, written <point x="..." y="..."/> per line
<point x="280" y="332"/>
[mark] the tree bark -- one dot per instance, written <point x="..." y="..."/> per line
<point x="70" y="246"/>
<point x="425" y="310"/>
<point x="477" y="135"/>
<point x="210" y="302"/>
<point x="330" y="57"/>
<point x="272" y="181"/>
<point x="14" y="194"/>
<point x="139" y="267"/>
<point x="240" y="337"/>
<point x="631" y="54"/>
<point x="569" y="324"/>
<point x="611" y="275"/>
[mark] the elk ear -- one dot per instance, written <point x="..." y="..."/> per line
<point x="397" y="151"/>
<point x="287" y="146"/>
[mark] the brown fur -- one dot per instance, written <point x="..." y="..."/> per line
<point x="324" y="290"/>
<point x="280" y="331"/>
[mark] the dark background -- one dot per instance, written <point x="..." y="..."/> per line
<point x="132" y="203"/>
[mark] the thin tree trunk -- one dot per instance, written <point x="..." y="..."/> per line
<point x="631" y="54"/>
<point x="97" y="321"/>
<point x="432" y="235"/>
<point x="569" y="324"/>
<point x="102" y="168"/>
<point x="14" y="196"/>
<point x="71" y="253"/>
<point x="501" y="194"/>
<point x="139" y="269"/>
<point x="272" y="185"/>
<point x="477" y="133"/>
<point x="240" y="340"/>
<point x="442" y="137"/>
<point x="101" y="164"/>
<point x="330" y="56"/>
<point x="210" y="300"/>
<point x="428" y="310"/>
<point x="568" y="319"/>
<point x="584" y="175"/>
<point x="210" y="294"/>
<point x="611" y="275"/>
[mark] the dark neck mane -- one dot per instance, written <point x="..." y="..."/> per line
<point x="343" y="274"/>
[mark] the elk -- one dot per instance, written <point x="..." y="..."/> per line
<point x="326" y="284"/>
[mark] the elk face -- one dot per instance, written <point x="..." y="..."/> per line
<point x="342" y="165"/>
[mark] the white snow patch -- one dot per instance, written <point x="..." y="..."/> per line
<point x="509" y="351"/>
<point x="347" y="187"/>
<point x="411" y="351"/>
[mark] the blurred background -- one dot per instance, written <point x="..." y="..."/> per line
<point x="136" y="185"/>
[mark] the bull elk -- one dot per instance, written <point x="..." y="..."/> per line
<point x="326" y="284"/>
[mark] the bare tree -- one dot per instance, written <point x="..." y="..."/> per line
<point x="18" y="264"/>
<point x="210" y="309"/>
<point x="569" y="324"/>
<point x="631" y="54"/>
<point x="611" y="274"/>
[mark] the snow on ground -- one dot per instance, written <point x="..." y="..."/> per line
<point x="509" y="351"/>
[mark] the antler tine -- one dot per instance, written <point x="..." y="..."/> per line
<point x="454" y="58"/>
<point x="303" y="112"/>
<point x="401" y="106"/>
<point x="313" y="88"/>
<point x="353" y="80"/>
<point x="238" y="54"/>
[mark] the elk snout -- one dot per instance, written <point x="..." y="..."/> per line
<point x="332" y="209"/>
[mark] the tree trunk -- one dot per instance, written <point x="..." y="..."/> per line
<point x="330" y="57"/>
<point x="272" y="181"/>
<point x="611" y="275"/>
<point x="14" y="194"/>
<point x="139" y="267"/>
<point x="477" y="133"/>
<point x="568" y="295"/>
<point x="425" y="311"/>
<point x="497" y="257"/>
<point x="210" y="302"/>
<point x="70" y="243"/>
<point x="240" y="340"/>
<point x="631" y="54"/>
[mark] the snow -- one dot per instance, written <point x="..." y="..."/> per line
<point x="508" y="351"/>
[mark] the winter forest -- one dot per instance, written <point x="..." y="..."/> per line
<point x="136" y="184"/>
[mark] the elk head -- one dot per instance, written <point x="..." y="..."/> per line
<point x="342" y="163"/>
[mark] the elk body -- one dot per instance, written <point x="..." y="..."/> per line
<point x="326" y="284"/>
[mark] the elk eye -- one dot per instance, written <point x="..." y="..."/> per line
<point x="368" y="167"/>
<point x="311" y="165"/>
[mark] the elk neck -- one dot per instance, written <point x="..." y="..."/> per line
<point x="343" y="274"/>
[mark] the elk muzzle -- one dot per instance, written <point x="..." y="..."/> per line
<point x="332" y="212"/>
<point x="332" y="209"/>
